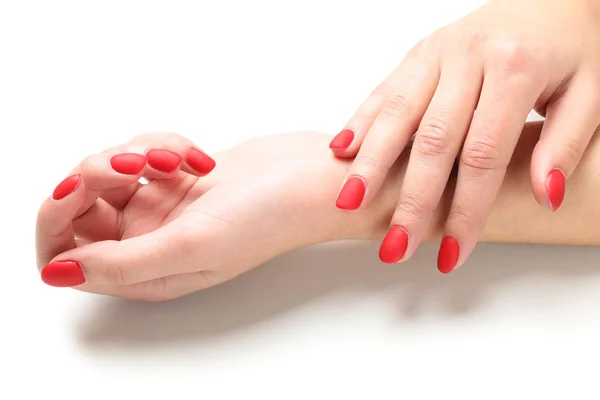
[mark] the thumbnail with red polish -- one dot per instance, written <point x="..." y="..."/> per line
<point x="394" y="245"/>
<point x="66" y="187"/>
<point x="128" y="163"/>
<point x="63" y="274"/>
<point x="555" y="188"/>
<point x="352" y="194"/>
<point x="448" y="255"/>
<point x="199" y="161"/>
<point x="342" y="140"/>
<point x="163" y="160"/>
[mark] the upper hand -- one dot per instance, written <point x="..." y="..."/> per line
<point x="503" y="60"/>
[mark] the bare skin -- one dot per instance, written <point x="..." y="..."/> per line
<point x="182" y="233"/>
<point x="466" y="90"/>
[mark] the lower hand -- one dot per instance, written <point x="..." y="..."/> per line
<point x="103" y="232"/>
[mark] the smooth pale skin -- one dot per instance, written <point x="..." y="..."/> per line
<point x="269" y="195"/>
<point x="502" y="60"/>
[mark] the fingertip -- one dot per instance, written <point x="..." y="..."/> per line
<point x="163" y="160"/>
<point x="394" y="245"/>
<point x="128" y="163"/>
<point x="540" y="171"/>
<point x="448" y="255"/>
<point x="352" y="194"/>
<point x="63" y="274"/>
<point x="66" y="187"/>
<point x="555" y="188"/>
<point x="342" y="141"/>
<point x="54" y="230"/>
<point x="198" y="161"/>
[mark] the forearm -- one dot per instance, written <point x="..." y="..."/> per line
<point x="516" y="216"/>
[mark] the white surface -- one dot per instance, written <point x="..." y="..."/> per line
<point x="517" y="321"/>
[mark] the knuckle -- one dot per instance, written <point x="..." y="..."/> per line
<point x="118" y="275"/>
<point x="413" y="206"/>
<point x="364" y="113"/>
<point x="367" y="161"/>
<point x="87" y="165"/>
<point x="513" y="56"/>
<point x="469" y="40"/>
<point x="396" y="107"/>
<point x="573" y="149"/>
<point x="433" y="138"/>
<point x="59" y="232"/>
<point x="458" y="216"/>
<point x="90" y="168"/>
<point x="481" y="155"/>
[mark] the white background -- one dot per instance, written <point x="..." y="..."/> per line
<point x="76" y="77"/>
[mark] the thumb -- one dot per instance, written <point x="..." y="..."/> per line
<point x="167" y="251"/>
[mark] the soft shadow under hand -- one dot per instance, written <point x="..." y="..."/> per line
<point x="297" y="278"/>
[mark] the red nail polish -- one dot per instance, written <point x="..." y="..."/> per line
<point x="394" y="245"/>
<point x="163" y="160"/>
<point x="352" y="194"/>
<point x="555" y="188"/>
<point x="66" y="187"/>
<point x="448" y="255"/>
<point x="128" y="163"/>
<point x="199" y="161"/>
<point x="63" y="274"/>
<point x="342" y="140"/>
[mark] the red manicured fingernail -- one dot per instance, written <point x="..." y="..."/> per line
<point x="555" y="188"/>
<point x="128" y="163"/>
<point x="199" y="161"/>
<point x="342" y="140"/>
<point x="394" y="245"/>
<point x="63" y="274"/>
<point x="448" y="255"/>
<point x="163" y="160"/>
<point x="66" y="187"/>
<point x="351" y="195"/>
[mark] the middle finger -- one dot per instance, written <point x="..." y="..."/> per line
<point x="433" y="153"/>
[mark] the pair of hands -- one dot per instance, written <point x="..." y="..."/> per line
<point x="104" y="232"/>
<point x="466" y="91"/>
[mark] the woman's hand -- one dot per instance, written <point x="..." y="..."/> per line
<point x="468" y="89"/>
<point x="183" y="231"/>
<point x="104" y="232"/>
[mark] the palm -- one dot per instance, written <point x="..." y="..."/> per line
<point x="155" y="204"/>
<point x="239" y="208"/>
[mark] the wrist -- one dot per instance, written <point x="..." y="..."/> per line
<point x="316" y="182"/>
<point x="372" y="222"/>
